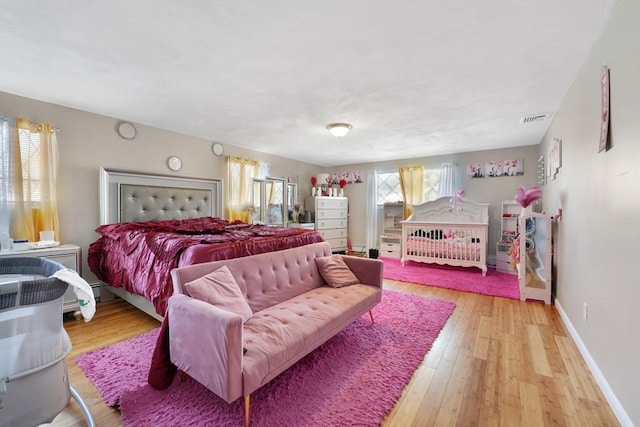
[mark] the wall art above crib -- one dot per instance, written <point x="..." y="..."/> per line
<point x="495" y="168"/>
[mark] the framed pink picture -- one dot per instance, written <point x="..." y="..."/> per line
<point x="604" y="116"/>
<point x="493" y="168"/>
<point x="475" y="170"/>
<point x="513" y="167"/>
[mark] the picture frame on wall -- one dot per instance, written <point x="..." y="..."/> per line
<point x="513" y="167"/>
<point x="604" y="115"/>
<point x="493" y="168"/>
<point x="475" y="170"/>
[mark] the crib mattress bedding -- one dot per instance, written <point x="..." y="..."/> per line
<point x="449" y="248"/>
<point x="139" y="256"/>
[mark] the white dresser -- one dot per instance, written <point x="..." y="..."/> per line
<point x="67" y="255"/>
<point x="331" y="219"/>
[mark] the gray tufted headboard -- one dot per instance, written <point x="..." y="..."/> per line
<point x="137" y="196"/>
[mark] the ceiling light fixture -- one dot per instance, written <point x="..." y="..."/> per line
<point x="339" y="129"/>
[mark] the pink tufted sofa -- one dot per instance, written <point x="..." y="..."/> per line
<point x="294" y="311"/>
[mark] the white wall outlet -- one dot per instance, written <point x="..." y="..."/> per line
<point x="585" y="312"/>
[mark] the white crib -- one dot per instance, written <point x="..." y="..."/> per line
<point x="34" y="385"/>
<point x="437" y="233"/>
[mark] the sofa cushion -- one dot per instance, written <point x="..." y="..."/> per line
<point x="278" y="336"/>
<point x="335" y="272"/>
<point x="219" y="288"/>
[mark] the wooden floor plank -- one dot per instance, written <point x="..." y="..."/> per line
<point x="497" y="362"/>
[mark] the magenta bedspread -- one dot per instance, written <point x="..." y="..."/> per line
<point x="139" y="256"/>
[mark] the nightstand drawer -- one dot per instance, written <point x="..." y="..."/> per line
<point x="502" y="256"/>
<point x="67" y="255"/>
<point x="389" y="246"/>
<point x="68" y="260"/>
<point x="505" y="267"/>
<point x="390" y="253"/>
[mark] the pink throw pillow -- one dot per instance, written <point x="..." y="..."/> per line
<point x="335" y="272"/>
<point x="219" y="288"/>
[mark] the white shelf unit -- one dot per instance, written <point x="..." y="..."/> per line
<point x="331" y="219"/>
<point x="534" y="273"/>
<point x="68" y="255"/>
<point x="391" y="238"/>
<point x="508" y="231"/>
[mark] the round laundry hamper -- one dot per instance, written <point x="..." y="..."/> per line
<point x="34" y="384"/>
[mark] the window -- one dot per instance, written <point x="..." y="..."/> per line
<point x="29" y="160"/>
<point x="30" y="157"/>
<point x="388" y="186"/>
<point x="431" y="184"/>
<point x="30" y="163"/>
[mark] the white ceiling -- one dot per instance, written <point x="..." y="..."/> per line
<point x="414" y="78"/>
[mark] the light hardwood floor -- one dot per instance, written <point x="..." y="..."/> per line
<point x="497" y="362"/>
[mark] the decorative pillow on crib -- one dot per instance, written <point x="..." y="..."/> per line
<point x="335" y="271"/>
<point x="219" y="288"/>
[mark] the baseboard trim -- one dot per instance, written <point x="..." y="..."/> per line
<point x="617" y="408"/>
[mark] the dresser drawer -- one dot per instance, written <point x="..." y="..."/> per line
<point x="333" y="233"/>
<point x="332" y="223"/>
<point x="332" y="203"/>
<point x="338" y="245"/>
<point x="331" y="214"/>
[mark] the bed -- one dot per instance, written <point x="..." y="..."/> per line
<point x="437" y="233"/>
<point x="154" y="223"/>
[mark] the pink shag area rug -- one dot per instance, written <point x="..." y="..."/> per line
<point x="467" y="279"/>
<point x="354" y="378"/>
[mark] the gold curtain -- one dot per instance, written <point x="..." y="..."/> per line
<point x="35" y="151"/>
<point x="241" y="173"/>
<point x="412" y="185"/>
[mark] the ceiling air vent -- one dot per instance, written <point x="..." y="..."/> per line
<point x="534" y="118"/>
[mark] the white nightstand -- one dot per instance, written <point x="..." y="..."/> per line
<point x="68" y="255"/>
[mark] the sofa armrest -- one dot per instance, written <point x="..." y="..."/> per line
<point x="206" y="343"/>
<point x="368" y="270"/>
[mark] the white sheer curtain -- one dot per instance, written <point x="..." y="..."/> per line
<point x="264" y="170"/>
<point x="446" y="180"/>
<point x="372" y="211"/>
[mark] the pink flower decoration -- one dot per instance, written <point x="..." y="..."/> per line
<point x="527" y="196"/>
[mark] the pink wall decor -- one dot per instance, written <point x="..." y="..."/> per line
<point x="604" y="117"/>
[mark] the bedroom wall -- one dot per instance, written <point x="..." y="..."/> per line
<point x="485" y="190"/>
<point x="88" y="141"/>
<point x="597" y="238"/>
